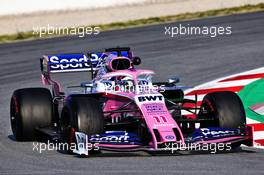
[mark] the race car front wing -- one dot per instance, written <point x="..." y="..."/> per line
<point x="123" y="141"/>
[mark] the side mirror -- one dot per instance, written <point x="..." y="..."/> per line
<point x="173" y="80"/>
<point x="136" y="60"/>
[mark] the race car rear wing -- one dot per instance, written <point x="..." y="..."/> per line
<point x="76" y="62"/>
<point x="73" y="62"/>
<point x="70" y="62"/>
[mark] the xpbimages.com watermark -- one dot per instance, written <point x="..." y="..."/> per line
<point x="120" y="88"/>
<point x="212" y="147"/>
<point x="171" y="147"/>
<point x="74" y="31"/>
<point x="41" y="147"/>
<point x="211" y="31"/>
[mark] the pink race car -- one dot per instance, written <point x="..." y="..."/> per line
<point x="121" y="109"/>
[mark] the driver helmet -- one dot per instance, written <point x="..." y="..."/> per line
<point x="114" y="63"/>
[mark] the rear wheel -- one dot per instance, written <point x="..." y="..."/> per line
<point x="226" y="108"/>
<point x="30" y="108"/>
<point x="82" y="114"/>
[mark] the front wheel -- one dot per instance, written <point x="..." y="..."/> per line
<point x="226" y="108"/>
<point x="82" y="114"/>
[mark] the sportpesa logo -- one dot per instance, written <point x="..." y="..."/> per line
<point x="72" y="62"/>
<point x="210" y="133"/>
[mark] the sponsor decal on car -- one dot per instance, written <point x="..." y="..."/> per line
<point x="71" y="62"/>
<point x="155" y="109"/>
<point x="149" y="98"/>
<point x="213" y="133"/>
<point x="118" y="137"/>
<point x="209" y="133"/>
<point x="77" y="62"/>
<point x="169" y="137"/>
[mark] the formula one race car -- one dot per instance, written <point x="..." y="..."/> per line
<point x="121" y="109"/>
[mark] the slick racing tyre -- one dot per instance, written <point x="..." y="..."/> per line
<point x="30" y="108"/>
<point x="83" y="114"/>
<point x="226" y="108"/>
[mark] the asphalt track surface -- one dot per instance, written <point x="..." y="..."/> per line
<point x="196" y="59"/>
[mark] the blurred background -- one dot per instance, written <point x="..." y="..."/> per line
<point x="24" y="15"/>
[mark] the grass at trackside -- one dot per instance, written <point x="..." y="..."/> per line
<point x="140" y="22"/>
<point x="185" y="16"/>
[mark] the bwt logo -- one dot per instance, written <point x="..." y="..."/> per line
<point x="150" y="98"/>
